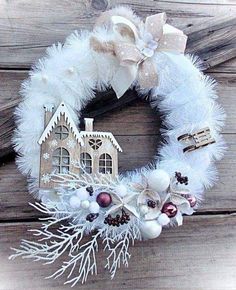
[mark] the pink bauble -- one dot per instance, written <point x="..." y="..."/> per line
<point x="169" y="209"/>
<point x="104" y="199"/>
<point x="192" y="200"/>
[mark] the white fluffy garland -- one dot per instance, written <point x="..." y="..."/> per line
<point x="73" y="72"/>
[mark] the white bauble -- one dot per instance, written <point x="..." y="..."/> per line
<point x="121" y="190"/>
<point x="143" y="208"/>
<point x="150" y="229"/>
<point x="82" y="193"/>
<point x="163" y="219"/>
<point x="75" y="202"/>
<point x="94" y="207"/>
<point x="85" y="204"/>
<point x="158" y="180"/>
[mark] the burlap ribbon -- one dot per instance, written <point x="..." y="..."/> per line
<point x="135" y="48"/>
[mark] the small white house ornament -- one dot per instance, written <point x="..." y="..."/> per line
<point x="74" y="174"/>
<point x="96" y="152"/>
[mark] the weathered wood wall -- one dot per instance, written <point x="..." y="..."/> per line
<point x="199" y="255"/>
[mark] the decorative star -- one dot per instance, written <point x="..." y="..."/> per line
<point x="123" y="203"/>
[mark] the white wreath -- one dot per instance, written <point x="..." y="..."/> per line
<point x="72" y="73"/>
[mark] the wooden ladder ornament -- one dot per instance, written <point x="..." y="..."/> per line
<point x="196" y="140"/>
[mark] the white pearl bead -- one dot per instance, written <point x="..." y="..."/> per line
<point x="82" y="193"/>
<point x="159" y="180"/>
<point x="44" y="78"/>
<point x="150" y="229"/>
<point x="94" y="207"/>
<point x="85" y="204"/>
<point x="75" y="202"/>
<point x="163" y="219"/>
<point x="121" y="190"/>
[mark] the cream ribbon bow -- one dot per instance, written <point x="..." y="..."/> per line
<point x="135" y="47"/>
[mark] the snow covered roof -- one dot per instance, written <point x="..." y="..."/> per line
<point x="62" y="110"/>
<point x="104" y="135"/>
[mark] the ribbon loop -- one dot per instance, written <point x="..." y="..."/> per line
<point x="134" y="47"/>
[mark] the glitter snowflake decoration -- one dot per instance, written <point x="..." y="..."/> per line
<point x="46" y="178"/>
<point x="71" y="143"/>
<point x="46" y="156"/>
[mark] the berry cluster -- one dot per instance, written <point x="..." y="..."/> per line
<point x="91" y="217"/>
<point x="118" y="220"/>
<point x="151" y="203"/>
<point x="181" y="179"/>
<point x="90" y="190"/>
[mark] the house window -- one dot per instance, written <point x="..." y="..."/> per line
<point x="95" y="143"/>
<point x="61" y="161"/>
<point x="105" y="164"/>
<point x="61" y="132"/>
<point x="86" y="162"/>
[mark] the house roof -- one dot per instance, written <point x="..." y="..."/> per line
<point x="62" y="110"/>
<point x="104" y="135"/>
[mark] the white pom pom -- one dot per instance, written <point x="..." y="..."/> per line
<point x="163" y="219"/>
<point x="144" y="209"/>
<point x="150" y="229"/>
<point x="121" y="190"/>
<point x="158" y="180"/>
<point x="94" y="207"/>
<point x="75" y="202"/>
<point x="82" y="193"/>
<point x="85" y="204"/>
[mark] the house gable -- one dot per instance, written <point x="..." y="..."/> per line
<point x="106" y="135"/>
<point x="62" y="110"/>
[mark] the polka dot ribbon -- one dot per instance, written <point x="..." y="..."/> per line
<point x="135" y="45"/>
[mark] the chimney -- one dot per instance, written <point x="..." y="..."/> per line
<point x="48" y="113"/>
<point x="88" y="124"/>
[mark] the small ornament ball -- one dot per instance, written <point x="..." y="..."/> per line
<point x="104" y="199"/>
<point x="85" y="204"/>
<point x="75" y="202"/>
<point x="94" y="207"/>
<point x="150" y="229"/>
<point x="192" y="200"/>
<point x="169" y="209"/>
<point x="82" y="193"/>
<point x="163" y="219"/>
<point x="121" y="190"/>
<point x="159" y="180"/>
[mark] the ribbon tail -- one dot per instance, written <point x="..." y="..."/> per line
<point x="147" y="75"/>
<point x="123" y="79"/>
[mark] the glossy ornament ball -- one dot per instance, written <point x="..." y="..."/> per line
<point x="158" y="180"/>
<point x="121" y="190"/>
<point x="169" y="209"/>
<point x="104" y="199"/>
<point x="163" y="219"/>
<point x="192" y="200"/>
<point x="82" y="193"/>
<point x="94" y="207"/>
<point x="75" y="202"/>
<point x="150" y="229"/>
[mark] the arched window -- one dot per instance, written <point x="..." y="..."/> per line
<point x="61" y="160"/>
<point x="61" y="132"/>
<point x="105" y="164"/>
<point x="86" y="162"/>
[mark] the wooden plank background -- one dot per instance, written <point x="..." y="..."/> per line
<point x="200" y="254"/>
